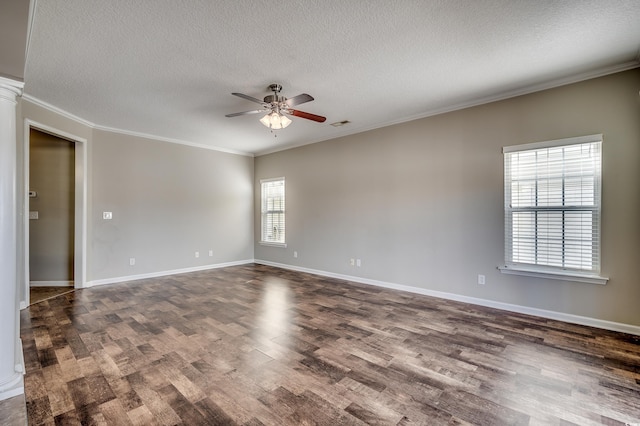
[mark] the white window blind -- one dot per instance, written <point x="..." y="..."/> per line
<point x="552" y="205"/>
<point x="273" y="211"/>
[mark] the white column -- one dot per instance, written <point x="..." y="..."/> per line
<point x="10" y="379"/>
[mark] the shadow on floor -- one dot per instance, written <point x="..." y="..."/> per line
<point x="39" y="294"/>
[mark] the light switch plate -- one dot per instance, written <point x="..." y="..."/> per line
<point x="107" y="215"/>
<point x="33" y="215"/>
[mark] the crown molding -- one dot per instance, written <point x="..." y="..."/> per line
<point x="58" y="111"/>
<point x="601" y="72"/>
<point x="95" y="126"/>
<point x="170" y="140"/>
<point x="552" y="84"/>
<point x="13" y="86"/>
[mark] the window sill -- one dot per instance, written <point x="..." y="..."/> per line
<point x="271" y="244"/>
<point x="554" y="275"/>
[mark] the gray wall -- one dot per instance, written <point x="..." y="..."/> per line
<point x="14" y="24"/>
<point x="28" y="111"/>
<point x="51" y="236"/>
<point x="421" y="203"/>
<point x="168" y="201"/>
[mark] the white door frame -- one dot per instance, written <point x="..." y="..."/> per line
<point x="80" y="221"/>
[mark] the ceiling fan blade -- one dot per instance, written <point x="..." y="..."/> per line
<point x="257" y="111"/>
<point x="308" y="116"/>
<point x="297" y="100"/>
<point x="249" y="98"/>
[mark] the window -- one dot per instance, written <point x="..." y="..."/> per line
<point x="273" y="229"/>
<point x="552" y="208"/>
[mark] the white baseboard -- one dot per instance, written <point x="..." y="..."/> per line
<point x="13" y="386"/>
<point x="14" y="391"/>
<point x="115" y="280"/>
<point x="19" y="367"/>
<point x="560" y="316"/>
<point x="50" y="283"/>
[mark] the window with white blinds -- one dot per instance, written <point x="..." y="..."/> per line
<point x="273" y="212"/>
<point x="552" y="205"/>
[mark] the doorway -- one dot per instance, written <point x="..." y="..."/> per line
<point x="55" y="205"/>
<point x="51" y="212"/>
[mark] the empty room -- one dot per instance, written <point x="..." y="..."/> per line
<point x="320" y="213"/>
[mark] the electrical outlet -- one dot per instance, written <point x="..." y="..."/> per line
<point x="107" y="215"/>
<point x="352" y="262"/>
<point x="358" y="263"/>
<point x="295" y="254"/>
<point x="132" y="261"/>
<point x="210" y="253"/>
<point x="481" y="279"/>
<point x="197" y="254"/>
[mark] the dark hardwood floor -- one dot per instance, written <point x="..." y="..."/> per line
<point x="38" y="294"/>
<point x="256" y="345"/>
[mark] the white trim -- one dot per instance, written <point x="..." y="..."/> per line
<point x="57" y="110"/>
<point x="565" y="81"/>
<point x="50" y="283"/>
<point x="94" y="126"/>
<point x="15" y="385"/>
<point x="81" y="195"/>
<point x="270" y="244"/>
<point x="271" y="179"/>
<point x="468" y="104"/>
<point x="13" y="388"/>
<point x="164" y="273"/>
<point x="171" y="140"/>
<point x="543" y="313"/>
<point x="554" y="275"/>
<point x="81" y="182"/>
<point x="554" y="143"/>
<point x="265" y="212"/>
<point x="14" y="86"/>
<point x="543" y="270"/>
<point x="19" y="367"/>
<point x="53" y="131"/>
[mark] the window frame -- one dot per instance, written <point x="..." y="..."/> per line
<point x="545" y="270"/>
<point x="265" y="212"/>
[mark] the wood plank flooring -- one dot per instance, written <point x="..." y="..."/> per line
<point x="256" y="345"/>
<point x="38" y="294"/>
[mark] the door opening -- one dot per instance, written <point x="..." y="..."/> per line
<point x="51" y="210"/>
<point x="55" y="217"/>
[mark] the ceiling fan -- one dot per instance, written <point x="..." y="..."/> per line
<point x="276" y="106"/>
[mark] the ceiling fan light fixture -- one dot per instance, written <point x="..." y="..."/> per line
<point x="274" y="106"/>
<point x="275" y="120"/>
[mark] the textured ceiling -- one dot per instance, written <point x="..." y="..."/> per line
<point x="166" y="68"/>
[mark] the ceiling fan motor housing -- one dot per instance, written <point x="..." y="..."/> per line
<point x="270" y="99"/>
<point x="276" y="104"/>
<point x="275" y="98"/>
